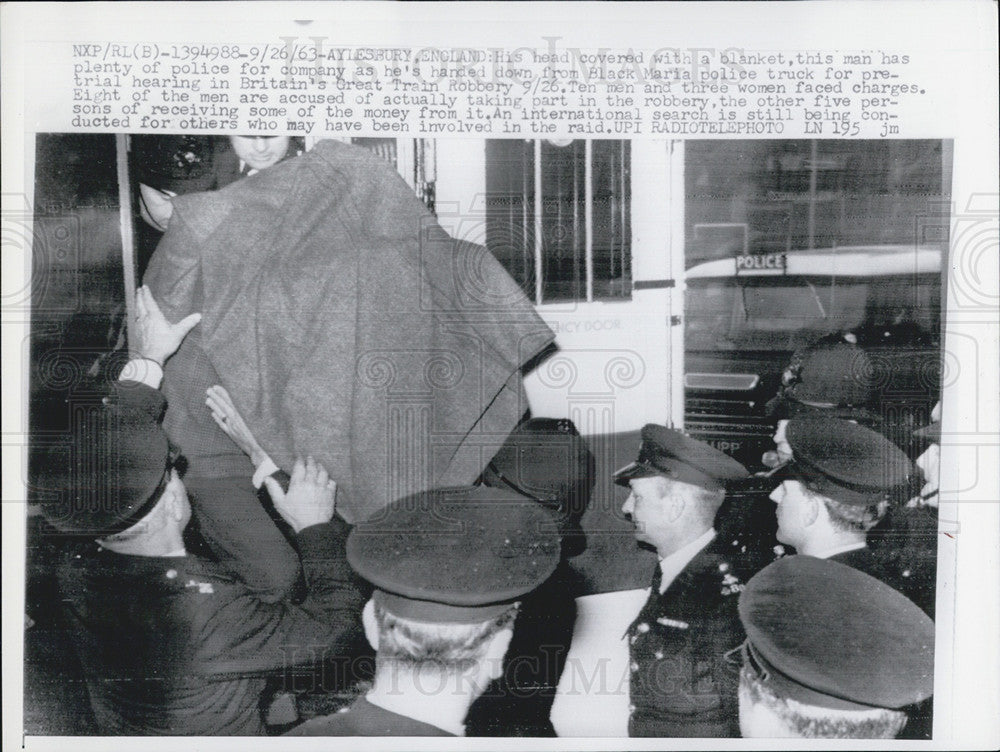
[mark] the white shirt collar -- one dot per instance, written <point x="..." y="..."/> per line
<point x="674" y="564"/>
<point x="841" y="549"/>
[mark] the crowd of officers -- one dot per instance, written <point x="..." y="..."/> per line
<point x="822" y="643"/>
<point x="818" y="625"/>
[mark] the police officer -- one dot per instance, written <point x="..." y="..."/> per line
<point x="830" y="653"/>
<point x="929" y="461"/>
<point x="547" y="460"/>
<point x="170" y="643"/>
<point x="167" y="166"/>
<point x="833" y="378"/>
<point x="449" y="567"/>
<point x="830" y="377"/>
<point x="681" y="685"/>
<point x="908" y="538"/>
<point x="248" y="155"/>
<point x="837" y="487"/>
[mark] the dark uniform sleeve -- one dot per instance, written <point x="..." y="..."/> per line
<point x="243" y="536"/>
<point x="248" y="635"/>
<point x="240" y="528"/>
<point x="134" y="395"/>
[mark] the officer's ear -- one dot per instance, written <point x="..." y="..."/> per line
<point x="676" y="508"/>
<point x="370" y="624"/>
<point x="675" y="495"/>
<point x="811" y="510"/>
<point x="172" y="497"/>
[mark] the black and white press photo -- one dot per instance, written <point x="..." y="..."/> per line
<point x="543" y="376"/>
<point x="250" y="355"/>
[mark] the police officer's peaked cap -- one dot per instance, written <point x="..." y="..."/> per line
<point x="826" y="634"/>
<point x="836" y="377"/>
<point x="668" y="452"/>
<point x="455" y="555"/>
<point x="846" y="461"/>
<point x="545" y="459"/>
<point x="111" y="469"/>
<point x="839" y="375"/>
<point x="180" y="164"/>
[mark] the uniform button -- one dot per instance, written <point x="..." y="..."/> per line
<point x="906" y="573"/>
<point x="631" y="709"/>
<point x="634" y="666"/>
<point x="642" y="628"/>
<point x="171" y="574"/>
<point x="632" y="640"/>
<point x="658" y="655"/>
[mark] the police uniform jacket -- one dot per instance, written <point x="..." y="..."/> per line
<point x="680" y="683"/>
<point x="906" y="541"/>
<point x="920" y="717"/>
<point x="864" y="560"/>
<point x="362" y="718"/>
<point x="176" y="645"/>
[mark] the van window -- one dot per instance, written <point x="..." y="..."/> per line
<point x="785" y="313"/>
<point x="766" y="196"/>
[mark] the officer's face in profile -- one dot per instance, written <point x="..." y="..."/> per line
<point x="655" y="506"/>
<point x="643" y="506"/>
<point x="930" y="465"/>
<point x="781" y="442"/>
<point x="260" y="152"/>
<point x="793" y="511"/>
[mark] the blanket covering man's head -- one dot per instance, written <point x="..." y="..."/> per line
<point x="346" y="325"/>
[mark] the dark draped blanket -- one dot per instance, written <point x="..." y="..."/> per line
<point x="346" y="325"/>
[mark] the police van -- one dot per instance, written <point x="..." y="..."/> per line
<point x="746" y="315"/>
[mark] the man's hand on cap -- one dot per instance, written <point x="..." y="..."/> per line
<point x="156" y="338"/>
<point x="311" y="497"/>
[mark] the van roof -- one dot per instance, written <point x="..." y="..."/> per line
<point x="844" y="261"/>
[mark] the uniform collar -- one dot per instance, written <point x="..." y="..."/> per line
<point x="841" y="549"/>
<point x="674" y="564"/>
<point x="454" y="730"/>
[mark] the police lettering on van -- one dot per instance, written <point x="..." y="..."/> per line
<point x="761" y="261"/>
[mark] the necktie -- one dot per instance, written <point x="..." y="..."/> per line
<point x="657" y="580"/>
